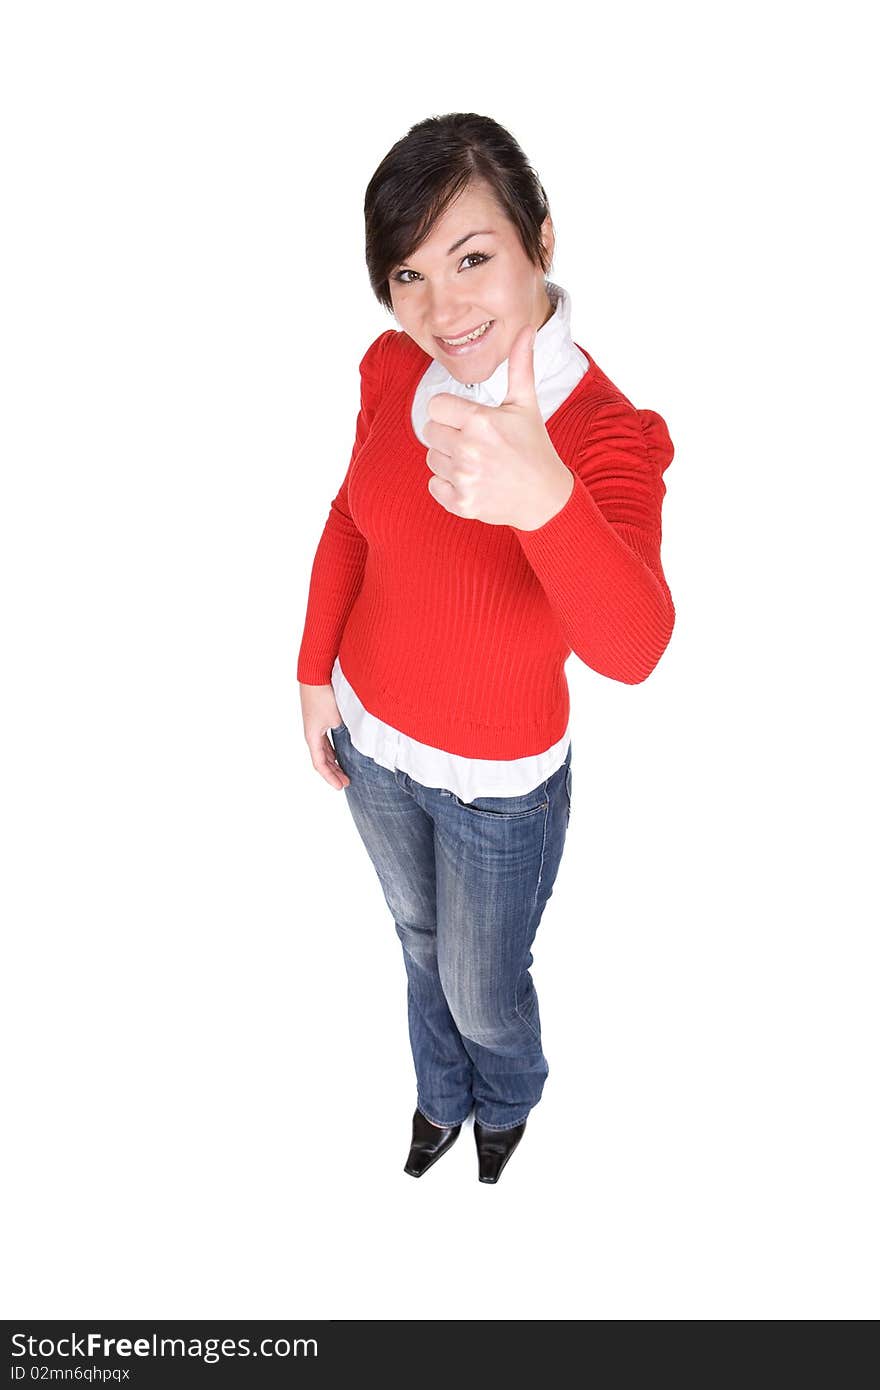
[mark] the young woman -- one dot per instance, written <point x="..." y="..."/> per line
<point x="501" y="510"/>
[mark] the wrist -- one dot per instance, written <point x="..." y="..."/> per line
<point x="552" y="500"/>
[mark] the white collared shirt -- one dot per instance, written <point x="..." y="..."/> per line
<point x="559" y="365"/>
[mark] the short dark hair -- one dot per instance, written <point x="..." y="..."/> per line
<point x="427" y="169"/>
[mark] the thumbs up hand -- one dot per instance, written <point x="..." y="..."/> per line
<point x="497" y="464"/>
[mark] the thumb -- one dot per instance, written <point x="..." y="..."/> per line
<point x="521" y="369"/>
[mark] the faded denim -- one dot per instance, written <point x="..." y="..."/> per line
<point x="466" y="884"/>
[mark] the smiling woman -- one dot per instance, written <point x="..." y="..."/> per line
<point x="501" y="510"/>
<point x="460" y="261"/>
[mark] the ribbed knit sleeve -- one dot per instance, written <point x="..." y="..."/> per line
<point x="598" y="559"/>
<point x="338" y="566"/>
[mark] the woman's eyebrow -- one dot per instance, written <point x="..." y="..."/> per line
<point x="460" y="242"/>
<point x="467" y="238"/>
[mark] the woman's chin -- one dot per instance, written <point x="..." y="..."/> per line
<point x="476" y="375"/>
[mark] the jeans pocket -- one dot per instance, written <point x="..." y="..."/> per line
<point x="506" y="807"/>
<point x="568" y="795"/>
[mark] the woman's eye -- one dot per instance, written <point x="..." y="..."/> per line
<point x="478" y="256"/>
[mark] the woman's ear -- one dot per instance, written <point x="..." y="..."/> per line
<point x="548" y="237"/>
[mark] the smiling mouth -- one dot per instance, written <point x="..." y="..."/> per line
<point x="473" y="336"/>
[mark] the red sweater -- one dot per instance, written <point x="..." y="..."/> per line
<point x="455" y="631"/>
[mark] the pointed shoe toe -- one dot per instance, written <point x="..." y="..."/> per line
<point x="494" y="1147"/>
<point x="429" y="1142"/>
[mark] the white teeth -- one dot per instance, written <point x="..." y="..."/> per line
<point x="469" y="337"/>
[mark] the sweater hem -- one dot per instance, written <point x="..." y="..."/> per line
<point x="455" y="733"/>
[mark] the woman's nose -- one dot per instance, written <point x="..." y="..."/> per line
<point x="450" y="318"/>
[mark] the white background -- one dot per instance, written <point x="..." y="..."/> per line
<point x="208" y="1080"/>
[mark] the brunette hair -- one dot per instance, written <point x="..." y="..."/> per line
<point x="427" y="169"/>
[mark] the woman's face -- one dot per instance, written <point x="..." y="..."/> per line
<point x="471" y="270"/>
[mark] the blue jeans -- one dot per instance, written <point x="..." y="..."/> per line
<point x="466" y="884"/>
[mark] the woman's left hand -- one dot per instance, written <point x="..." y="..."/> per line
<point x="497" y="463"/>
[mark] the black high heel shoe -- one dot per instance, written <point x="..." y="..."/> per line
<point x="429" y="1142"/>
<point x="494" y="1147"/>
